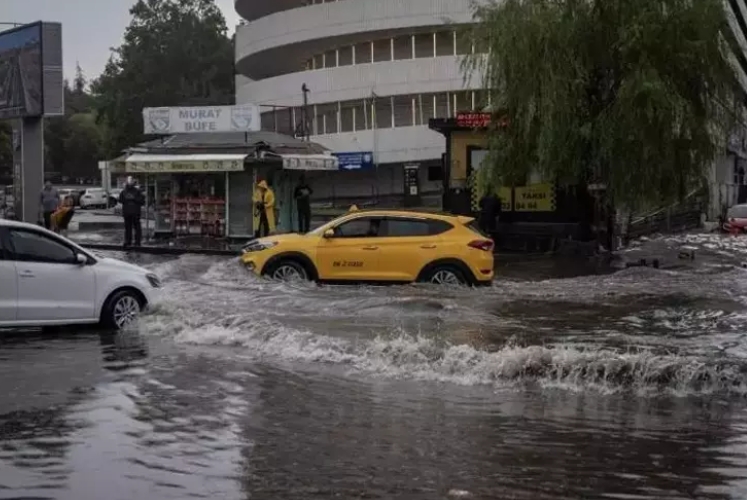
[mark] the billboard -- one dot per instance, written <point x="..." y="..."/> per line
<point x="31" y="71"/>
<point x="202" y="119"/>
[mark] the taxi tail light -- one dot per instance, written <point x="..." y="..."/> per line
<point x="484" y="245"/>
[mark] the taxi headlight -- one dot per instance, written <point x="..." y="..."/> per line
<point x="258" y="246"/>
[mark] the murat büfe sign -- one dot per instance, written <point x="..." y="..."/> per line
<point x="202" y="119"/>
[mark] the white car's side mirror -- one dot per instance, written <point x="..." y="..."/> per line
<point x="81" y="259"/>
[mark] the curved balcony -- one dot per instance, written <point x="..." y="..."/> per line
<point x="409" y="76"/>
<point x="264" y="44"/>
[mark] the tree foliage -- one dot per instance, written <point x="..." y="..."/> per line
<point x="74" y="142"/>
<point x="175" y="52"/>
<point x="636" y="94"/>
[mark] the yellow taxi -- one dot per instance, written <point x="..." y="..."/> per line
<point x="379" y="246"/>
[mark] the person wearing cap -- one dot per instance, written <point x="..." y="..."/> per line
<point x="132" y="201"/>
<point x="264" y="210"/>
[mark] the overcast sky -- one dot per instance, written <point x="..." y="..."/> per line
<point x="89" y="27"/>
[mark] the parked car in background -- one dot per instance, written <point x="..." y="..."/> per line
<point x="69" y="192"/>
<point x="94" y="198"/>
<point x="736" y="219"/>
<point x="48" y="280"/>
<point x="114" y="196"/>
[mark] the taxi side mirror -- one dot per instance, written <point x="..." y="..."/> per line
<point x="329" y="233"/>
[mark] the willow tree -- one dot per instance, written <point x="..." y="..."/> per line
<point x="639" y="95"/>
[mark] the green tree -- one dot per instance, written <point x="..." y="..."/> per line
<point x="175" y="52"/>
<point x="58" y="133"/>
<point x="83" y="146"/>
<point x="635" y="94"/>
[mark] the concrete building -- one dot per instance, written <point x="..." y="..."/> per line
<point x="376" y="71"/>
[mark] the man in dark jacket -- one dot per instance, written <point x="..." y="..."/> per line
<point x="132" y="201"/>
<point x="302" y="195"/>
<point x="490" y="209"/>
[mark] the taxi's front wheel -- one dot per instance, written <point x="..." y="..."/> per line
<point x="288" y="270"/>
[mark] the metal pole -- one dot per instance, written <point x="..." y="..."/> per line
<point x="305" y="91"/>
<point x="147" y="208"/>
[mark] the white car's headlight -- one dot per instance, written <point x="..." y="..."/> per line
<point x="258" y="246"/>
<point x="154" y="281"/>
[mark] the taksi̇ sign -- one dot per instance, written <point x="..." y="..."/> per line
<point x="202" y="119"/>
<point x="534" y="198"/>
<point x="355" y="161"/>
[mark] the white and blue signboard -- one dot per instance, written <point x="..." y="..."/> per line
<point x="362" y="160"/>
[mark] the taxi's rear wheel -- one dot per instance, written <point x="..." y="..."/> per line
<point x="288" y="270"/>
<point x="446" y="275"/>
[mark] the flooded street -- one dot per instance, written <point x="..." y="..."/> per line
<point x="630" y="385"/>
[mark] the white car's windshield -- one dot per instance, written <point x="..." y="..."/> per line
<point x="738" y="212"/>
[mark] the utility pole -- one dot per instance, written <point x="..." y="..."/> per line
<point x="305" y="91"/>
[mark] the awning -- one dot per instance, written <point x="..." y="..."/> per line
<point x="309" y="162"/>
<point x="154" y="164"/>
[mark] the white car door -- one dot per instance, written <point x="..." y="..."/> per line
<point x="52" y="285"/>
<point x="8" y="285"/>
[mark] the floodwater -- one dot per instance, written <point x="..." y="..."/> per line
<point x="630" y="385"/>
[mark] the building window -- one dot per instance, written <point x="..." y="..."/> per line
<point x="363" y="53"/>
<point x="482" y="100"/>
<point x="443" y="109"/>
<point x="445" y="43"/>
<point x="462" y="102"/>
<point x="347" y="116"/>
<point x="345" y="56"/>
<point x="403" y="47"/>
<point x="362" y="112"/>
<point x="383" y="108"/>
<point x="435" y="173"/>
<point x="284" y="121"/>
<point x="403" y="111"/>
<point x="319" y="61"/>
<point x="424" y="109"/>
<point x="463" y="44"/>
<point x="382" y="50"/>
<point x="330" y="59"/>
<point x="327" y="113"/>
<point x="268" y="121"/>
<point x="424" y="45"/>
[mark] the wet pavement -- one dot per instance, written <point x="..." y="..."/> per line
<point x="628" y="385"/>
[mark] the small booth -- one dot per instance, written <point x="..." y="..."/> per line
<point x="535" y="210"/>
<point x="203" y="184"/>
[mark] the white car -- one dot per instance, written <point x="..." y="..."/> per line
<point x="95" y="197"/>
<point x="47" y="280"/>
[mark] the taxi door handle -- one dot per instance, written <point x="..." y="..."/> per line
<point x="428" y="246"/>
<point x="371" y="248"/>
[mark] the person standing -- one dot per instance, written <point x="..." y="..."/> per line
<point x="49" y="200"/>
<point x="264" y="210"/>
<point x="302" y="195"/>
<point x="490" y="209"/>
<point x="132" y="201"/>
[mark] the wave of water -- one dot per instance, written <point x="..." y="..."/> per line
<point x="396" y="334"/>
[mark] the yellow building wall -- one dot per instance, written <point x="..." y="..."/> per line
<point x="460" y="141"/>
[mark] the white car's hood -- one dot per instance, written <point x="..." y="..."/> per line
<point x="119" y="264"/>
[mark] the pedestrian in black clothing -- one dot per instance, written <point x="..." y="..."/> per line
<point x="302" y="195"/>
<point x="132" y="201"/>
<point x="490" y="209"/>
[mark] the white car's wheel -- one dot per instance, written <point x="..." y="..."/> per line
<point x="121" y="310"/>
